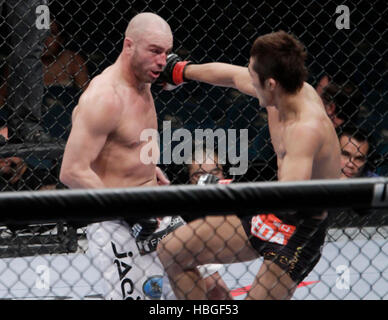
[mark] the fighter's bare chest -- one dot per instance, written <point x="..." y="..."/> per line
<point x="136" y="123"/>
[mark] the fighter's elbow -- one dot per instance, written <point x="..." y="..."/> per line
<point x="68" y="176"/>
<point x="64" y="177"/>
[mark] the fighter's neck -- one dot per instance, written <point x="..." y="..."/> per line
<point x="289" y="105"/>
<point x="288" y="110"/>
<point x="124" y="71"/>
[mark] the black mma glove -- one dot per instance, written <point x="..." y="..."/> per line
<point x="144" y="228"/>
<point x="172" y="75"/>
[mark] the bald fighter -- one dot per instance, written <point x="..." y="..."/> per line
<point x="307" y="148"/>
<point x="104" y="151"/>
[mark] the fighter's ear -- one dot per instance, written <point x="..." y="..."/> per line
<point x="128" y="43"/>
<point x="271" y="84"/>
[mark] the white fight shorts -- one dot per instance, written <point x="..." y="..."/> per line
<point x="131" y="269"/>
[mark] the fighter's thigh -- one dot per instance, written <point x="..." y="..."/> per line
<point x="212" y="239"/>
<point x="114" y="253"/>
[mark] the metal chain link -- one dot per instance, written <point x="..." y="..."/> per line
<point x="48" y="61"/>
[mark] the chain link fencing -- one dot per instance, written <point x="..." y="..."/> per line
<point x="46" y="67"/>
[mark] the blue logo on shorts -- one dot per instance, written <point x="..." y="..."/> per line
<point x="152" y="287"/>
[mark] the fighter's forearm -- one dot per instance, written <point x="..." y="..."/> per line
<point x="214" y="73"/>
<point x="86" y="179"/>
<point x="221" y="74"/>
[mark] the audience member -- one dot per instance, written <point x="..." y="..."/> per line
<point x="62" y="67"/>
<point x="25" y="77"/>
<point x="16" y="174"/>
<point x="356" y="162"/>
<point x="339" y="103"/>
<point x="356" y="150"/>
<point x="65" y="78"/>
<point x="209" y="165"/>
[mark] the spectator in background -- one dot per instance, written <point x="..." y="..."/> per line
<point x="16" y="174"/>
<point x="209" y="165"/>
<point x="65" y="78"/>
<point x="25" y="76"/>
<point x="62" y="67"/>
<point x="356" y="150"/>
<point x="322" y="83"/>
<point x="356" y="157"/>
<point x="340" y="104"/>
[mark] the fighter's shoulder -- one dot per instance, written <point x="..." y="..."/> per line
<point x="100" y="93"/>
<point x="312" y="98"/>
<point x="310" y="129"/>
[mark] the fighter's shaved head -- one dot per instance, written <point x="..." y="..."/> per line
<point x="146" y="21"/>
<point x="148" y="40"/>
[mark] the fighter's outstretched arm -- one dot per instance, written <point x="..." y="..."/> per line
<point x="176" y="72"/>
<point x="221" y="74"/>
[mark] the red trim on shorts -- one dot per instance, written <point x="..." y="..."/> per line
<point x="268" y="227"/>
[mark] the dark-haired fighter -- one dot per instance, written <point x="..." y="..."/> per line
<point x="306" y="146"/>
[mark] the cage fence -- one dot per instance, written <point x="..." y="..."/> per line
<point x="45" y="70"/>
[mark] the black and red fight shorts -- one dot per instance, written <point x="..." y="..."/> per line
<point x="294" y="246"/>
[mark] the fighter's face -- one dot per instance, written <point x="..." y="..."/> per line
<point x="150" y="54"/>
<point x="353" y="156"/>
